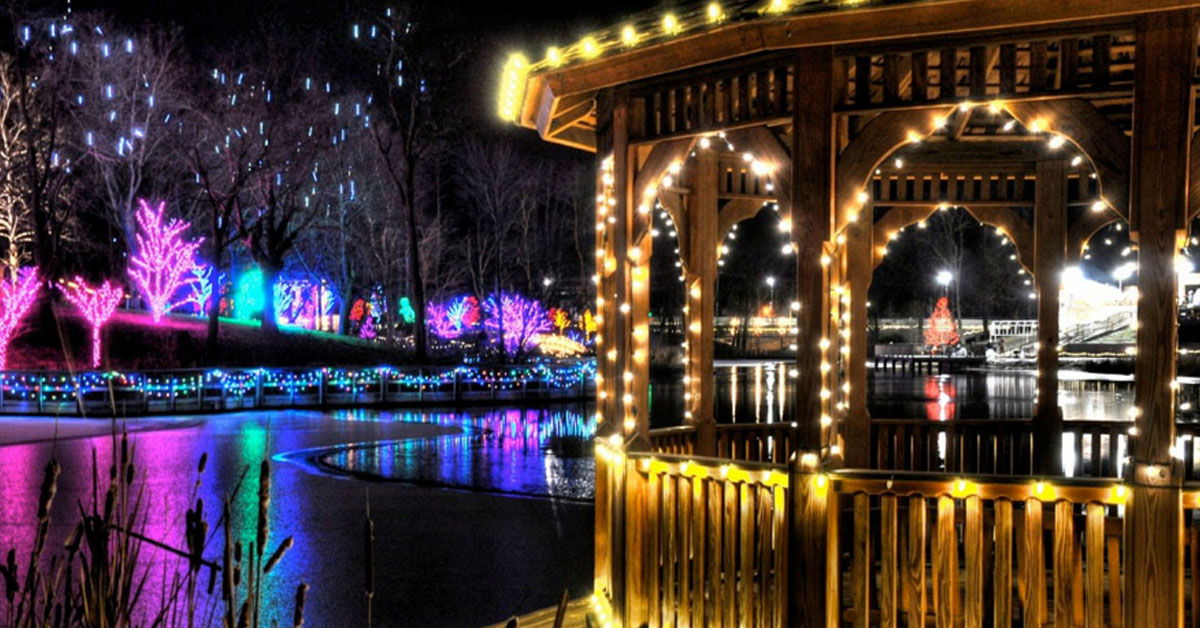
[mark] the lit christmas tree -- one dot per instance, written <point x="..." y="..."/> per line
<point x="940" y="330"/>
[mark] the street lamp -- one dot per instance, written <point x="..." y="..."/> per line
<point x="943" y="278"/>
<point x="771" y="284"/>
<point x="1123" y="272"/>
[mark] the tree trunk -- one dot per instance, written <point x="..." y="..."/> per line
<point x="420" y="340"/>
<point x="270" y="274"/>
<point x="211" y="341"/>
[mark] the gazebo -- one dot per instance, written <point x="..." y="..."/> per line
<point x="1046" y="120"/>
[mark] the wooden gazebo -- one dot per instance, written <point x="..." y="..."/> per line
<point x="1047" y="120"/>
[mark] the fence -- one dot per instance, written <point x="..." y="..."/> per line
<point x="703" y="541"/>
<point x="977" y="446"/>
<point x="196" y="390"/>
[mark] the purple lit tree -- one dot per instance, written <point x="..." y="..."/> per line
<point x="16" y="295"/>
<point x="164" y="258"/>
<point x="452" y="318"/>
<point x="512" y="320"/>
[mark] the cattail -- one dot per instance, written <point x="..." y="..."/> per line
<point x="278" y="554"/>
<point x="244" y="616"/>
<point x="369" y="557"/>
<point x="49" y="489"/>
<point x="72" y="544"/>
<point x="9" y="572"/>
<point x="264" y="503"/>
<point x="227" y="583"/>
<point x="298" y="613"/>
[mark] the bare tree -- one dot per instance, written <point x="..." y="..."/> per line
<point x="128" y="99"/>
<point x="414" y="56"/>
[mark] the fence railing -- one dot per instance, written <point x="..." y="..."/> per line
<point x="204" y="390"/>
<point x="978" y="552"/>
<point x="685" y="540"/>
<point x="977" y="446"/>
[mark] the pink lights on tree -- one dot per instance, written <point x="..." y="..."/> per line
<point x="96" y="304"/>
<point x="16" y="295"/>
<point x="164" y="257"/>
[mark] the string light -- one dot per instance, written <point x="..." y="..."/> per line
<point x="164" y="258"/>
<point x="17" y="294"/>
<point x="97" y="305"/>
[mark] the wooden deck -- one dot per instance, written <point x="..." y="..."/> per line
<point x="576" y="617"/>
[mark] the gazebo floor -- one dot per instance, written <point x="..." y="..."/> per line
<point x="577" y="617"/>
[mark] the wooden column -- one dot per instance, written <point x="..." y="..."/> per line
<point x="1049" y="256"/>
<point x="1162" y="128"/>
<point x="639" y="345"/>
<point x="612" y="290"/>
<point x="701" y="282"/>
<point x="812" y="202"/>
<point x="859" y="253"/>
<point x="812" y="594"/>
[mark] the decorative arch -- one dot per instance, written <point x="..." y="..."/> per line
<point x="650" y="175"/>
<point x="874" y="143"/>
<point x="1003" y="218"/>
<point x="1077" y="121"/>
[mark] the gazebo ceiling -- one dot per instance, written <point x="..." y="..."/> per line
<point x="555" y="94"/>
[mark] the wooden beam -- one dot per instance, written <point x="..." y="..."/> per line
<point x="701" y="282"/>
<point x="859" y="260"/>
<point x="1162" y="127"/>
<point x="650" y="173"/>
<point x="819" y="28"/>
<point x="1099" y="139"/>
<point x="765" y="145"/>
<point x="812" y="190"/>
<point x="875" y="141"/>
<point x="1049" y="254"/>
<point x="735" y="211"/>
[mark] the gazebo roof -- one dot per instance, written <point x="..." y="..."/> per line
<point x="554" y="94"/>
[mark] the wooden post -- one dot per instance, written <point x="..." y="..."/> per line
<point x="859" y="268"/>
<point x="1049" y="255"/>
<point x="812" y="197"/>
<point x="701" y="281"/>
<point x="812" y="546"/>
<point x="1162" y="129"/>
<point x="612" y="264"/>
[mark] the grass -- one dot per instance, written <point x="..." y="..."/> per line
<point x="132" y="341"/>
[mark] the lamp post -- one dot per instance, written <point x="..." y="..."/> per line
<point x="1122" y="273"/>
<point x="771" y="284"/>
<point x="943" y="279"/>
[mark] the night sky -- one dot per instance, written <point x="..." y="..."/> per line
<point x="488" y="31"/>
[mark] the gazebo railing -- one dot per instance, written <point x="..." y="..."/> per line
<point x="702" y="541"/>
<point x="985" y="446"/>
<point x="756" y="442"/>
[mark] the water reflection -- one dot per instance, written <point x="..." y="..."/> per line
<point x="440" y="547"/>
<point x="755" y="392"/>
<point x="533" y="452"/>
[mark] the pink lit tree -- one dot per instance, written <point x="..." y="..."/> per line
<point x="16" y="295"/>
<point x="97" y="305"/>
<point x="164" y="257"/>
